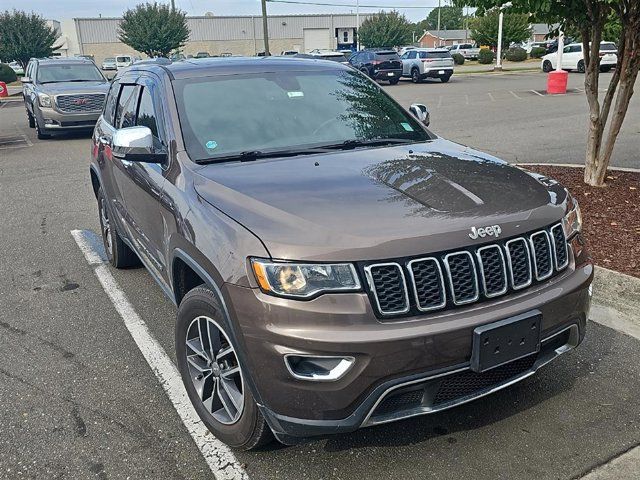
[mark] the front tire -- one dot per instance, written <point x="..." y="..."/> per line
<point x="212" y="375"/>
<point x="605" y="69"/>
<point x="31" y="120"/>
<point x="118" y="253"/>
<point x="39" y="131"/>
<point x="445" y="79"/>
<point x="415" y="76"/>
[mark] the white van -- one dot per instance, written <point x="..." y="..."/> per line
<point x="123" y="61"/>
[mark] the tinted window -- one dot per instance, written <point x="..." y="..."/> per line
<point x="126" y="111"/>
<point x="147" y="114"/>
<point x="435" y="55"/>
<point x="387" y="55"/>
<point x="112" y="101"/>
<point x="69" y="72"/>
<point x="608" y="47"/>
<point x="412" y="54"/>
<point x="218" y="114"/>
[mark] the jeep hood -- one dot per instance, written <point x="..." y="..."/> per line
<point x="379" y="203"/>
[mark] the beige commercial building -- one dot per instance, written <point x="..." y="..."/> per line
<point x="235" y="35"/>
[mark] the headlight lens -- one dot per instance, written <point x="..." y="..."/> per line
<point x="572" y="221"/>
<point x="304" y="280"/>
<point x="45" y="100"/>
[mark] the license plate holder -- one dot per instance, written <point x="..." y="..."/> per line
<point x="506" y="340"/>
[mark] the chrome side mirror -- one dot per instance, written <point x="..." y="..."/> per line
<point x="421" y="112"/>
<point x="135" y="144"/>
<point x="26" y="80"/>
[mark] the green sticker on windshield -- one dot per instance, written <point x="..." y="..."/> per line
<point x="407" y="127"/>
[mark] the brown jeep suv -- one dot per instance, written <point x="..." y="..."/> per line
<point x="335" y="264"/>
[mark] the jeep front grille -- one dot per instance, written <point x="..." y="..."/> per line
<point x="81" y="103"/>
<point x="451" y="279"/>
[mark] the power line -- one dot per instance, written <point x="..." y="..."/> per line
<point x="296" y="2"/>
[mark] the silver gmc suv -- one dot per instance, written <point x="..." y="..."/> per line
<point x="63" y="94"/>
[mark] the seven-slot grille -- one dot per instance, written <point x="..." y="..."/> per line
<point x="466" y="276"/>
<point x="81" y="103"/>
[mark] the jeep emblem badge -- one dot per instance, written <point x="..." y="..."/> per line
<point x="491" y="230"/>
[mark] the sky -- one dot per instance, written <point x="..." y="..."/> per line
<point x="113" y="8"/>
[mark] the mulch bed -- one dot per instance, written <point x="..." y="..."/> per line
<point x="611" y="215"/>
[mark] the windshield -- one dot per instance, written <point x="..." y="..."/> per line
<point x="123" y="59"/>
<point x="69" y="73"/>
<point x="110" y="59"/>
<point x="229" y="114"/>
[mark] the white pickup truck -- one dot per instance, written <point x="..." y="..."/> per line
<point x="467" y="50"/>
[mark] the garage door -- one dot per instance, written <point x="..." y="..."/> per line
<point x="316" y="38"/>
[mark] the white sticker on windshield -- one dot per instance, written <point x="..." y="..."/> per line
<point x="407" y="127"/>
<point x="295" y="94"/>
<point x="211" y="144"/>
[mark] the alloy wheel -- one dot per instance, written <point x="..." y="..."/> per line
<point x="106" y="227"/>
<point x="214" y="370"/>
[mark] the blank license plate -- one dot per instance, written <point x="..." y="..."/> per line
<point x="505" y="341"/>
<point x="390" y="74"/>
<point x="440" y="72"/>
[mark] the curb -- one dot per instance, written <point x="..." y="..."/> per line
<point x="616" y="297"/>
<point x="576" y="165"/>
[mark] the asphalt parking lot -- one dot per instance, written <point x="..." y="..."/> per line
<point x="79" y="400"/>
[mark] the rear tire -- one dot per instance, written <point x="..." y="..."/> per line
<point x="118" y="253"/>
<point x="239" y="424"/>
<point x="394" y="81"/>
<point x="605" y="69"/>
<point x="546" y="66"/>
<point x="415" y="76"/>
<point x="445" y="79"/>
<point x="581" y="68"/>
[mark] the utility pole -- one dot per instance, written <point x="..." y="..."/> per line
<point x="499" y="52"/>
<point x="439" y="5"/>
<point x="358" y="25"/>
<point x="173" y="5"/>
<point x="265" y="28"/>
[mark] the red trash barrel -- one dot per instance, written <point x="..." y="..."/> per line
<point x="557" y="82"/>
<point x="3" y="90"/>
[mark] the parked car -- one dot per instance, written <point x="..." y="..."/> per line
<point x="202" y="55"/>
<point x="16" y="67"/>
<point x="403" y="50"/>
<point x="326" y="55"/>
<point x="340" y="267"/>
<point x="573" y="58"/>
<point x="552" y="45"/>
<point x="123" y="61"/>
<point x="109" y="63"/>
<point x="467" y="50"/>
<point x="288" y="53"/>
<point x="531" y="45"/>
<point x="422" y="63"/>
<point x="379" y="64"/>
<point x="63" y="94"/>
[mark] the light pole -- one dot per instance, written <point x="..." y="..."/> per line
<point x="265" y="29"/>
<point x="560" y="49"/>
<point x="499" y="52"/>
<point x="358" y="24"/>
<point x="439" y="4"/>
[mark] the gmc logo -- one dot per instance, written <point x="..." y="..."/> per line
<point x="491" y="230"/>
<point x="80" y="101"/>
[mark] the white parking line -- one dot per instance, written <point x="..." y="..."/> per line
<point x="491" y="97"/>
<point x="537" y="93"/>
<point x="515" y="95"/>
<point x="218" y="456"/>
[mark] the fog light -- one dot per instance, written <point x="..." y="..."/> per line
<point x="48" y="121"/>
<point x="318" y="369"/>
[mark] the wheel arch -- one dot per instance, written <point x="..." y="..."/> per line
<point x="95" y="180"/>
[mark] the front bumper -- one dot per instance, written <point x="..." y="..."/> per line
<point x="52" y="119"/>
<point x="393" y="359"/>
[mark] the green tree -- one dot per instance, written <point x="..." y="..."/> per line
<point x="386" y="30"/>
<point x="515" y="29"/>
<point x="451" y="18"/>
<point x="25" y="35"/>
<point x="593" y="19"/>
<point x="154" y="29"/>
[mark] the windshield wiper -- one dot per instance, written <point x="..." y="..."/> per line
<point x="251" y="155"/>
<point x="373" y="142"/>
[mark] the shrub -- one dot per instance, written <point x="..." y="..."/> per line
<point x="485" y="56"/>
<point x="7" y="74"/>
<point x="458" y="59"/>
<point x="538" y="52"/>
<point x="516" y="54"/>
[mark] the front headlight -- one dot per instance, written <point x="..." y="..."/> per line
<point x="45" y="100"/>
<point x="572" y="221"/>
<point x="304" y="280"/>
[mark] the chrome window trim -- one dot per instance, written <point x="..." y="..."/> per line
<point x="504" y="271"/>
<point x="475" y="277"/>
<point x="566" y="247"/>
<point x="533" y="255"/>
<point x="415" y="289"/>
<point x="372" y="287"/>
<point x="510" y="263"/>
